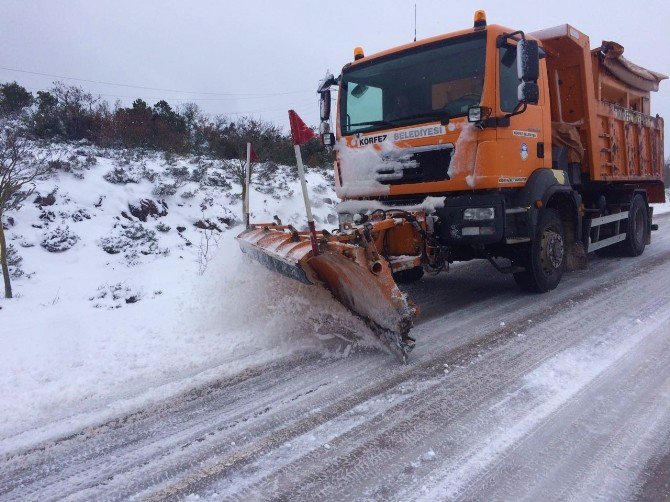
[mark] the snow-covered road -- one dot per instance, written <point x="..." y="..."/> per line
<point x="507" y="396"/>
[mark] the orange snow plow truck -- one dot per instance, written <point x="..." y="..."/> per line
<point x="529" y="150"/>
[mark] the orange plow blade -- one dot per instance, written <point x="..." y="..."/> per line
<point x="348" y="266"/>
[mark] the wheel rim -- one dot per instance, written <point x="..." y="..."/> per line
<point x="551" y="253"/>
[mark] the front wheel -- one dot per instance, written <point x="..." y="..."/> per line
<point x="544" y="258"/>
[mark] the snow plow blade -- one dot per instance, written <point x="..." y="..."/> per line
<point x="348" y="266"/>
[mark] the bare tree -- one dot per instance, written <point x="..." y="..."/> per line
<point x="208" y="242"/>
<point x="20" y="168"/>
<point x="237" y="169"/>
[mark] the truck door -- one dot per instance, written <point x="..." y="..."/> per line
<point x="518" y="144"/>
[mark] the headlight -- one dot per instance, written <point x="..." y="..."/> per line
<point x="479" y="213"/>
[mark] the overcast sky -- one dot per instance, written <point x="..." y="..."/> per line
<point x="263" y="57"/>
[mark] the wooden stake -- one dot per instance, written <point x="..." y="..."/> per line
<point x="308" y="206"/>
<point x="247" y="186"/>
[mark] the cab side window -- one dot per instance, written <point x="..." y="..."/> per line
<point x="509" y="80"/>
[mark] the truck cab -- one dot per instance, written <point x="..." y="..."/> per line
<point x="448" y="108"/>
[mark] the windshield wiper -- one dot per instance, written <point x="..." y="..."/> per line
<point x="371" y="123"/>
<point x="442" y="116"/>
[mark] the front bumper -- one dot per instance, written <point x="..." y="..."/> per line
<point x="455" y="230"/>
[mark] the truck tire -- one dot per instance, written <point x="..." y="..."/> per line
<point x="545" y="256"/>
<point x="408" y="276"/>
<point x="637" y="228"/>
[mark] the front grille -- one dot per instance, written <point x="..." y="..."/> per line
<point x="417" y="165"/>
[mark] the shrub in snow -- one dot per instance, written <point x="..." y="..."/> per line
<point x="23" y="242"/>
<point x="59" y="239"/>
<point x="126" y="172"/>
<point x="47" y="217"/>
<point x="76" y="216"/>
<point x="169" y="158"/>
<point x="207" y="224"/>
<point x="150" y="175"/>
<point x="129" y="156"/>
<point x="178" y="173"/>
<point x="123" y="176"/>
<point x="148" y="207"/>
<point x="162" y="227"/>
<point x="164" y="189"/>
<point x="216" y="179"/>
<point x="320" y="188"/>
<point x="73" y="165"/>
<point x="207" y="202"/>
<point x="199" y="173"/>
<point x="14" y="261"/>
<point x="132" y="240"/>
<point x="188" y="194"/>
<point x="59" y="165"/>
<point x="47" y="200"/>
<point x="114" y="296"/>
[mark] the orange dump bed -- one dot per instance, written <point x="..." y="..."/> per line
<point x="606" y="99"/>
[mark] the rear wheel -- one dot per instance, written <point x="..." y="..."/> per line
<point x="545" y="257"/>
<point x="637" y="230"/>
<point x="407" y="276"/>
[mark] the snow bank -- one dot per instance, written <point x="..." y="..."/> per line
<point x="665" y="207"/>
<point x="92" y="334"/>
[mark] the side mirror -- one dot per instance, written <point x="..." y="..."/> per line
<point x="325" y="83"/>
<point x="528" y="60"/>
<point x="324" y="104"/>
<point x="529" y="93"/>
<point x="528" y="71"/>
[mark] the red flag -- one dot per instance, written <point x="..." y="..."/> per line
<point x="299" y="131"/>
<point x="253" y="156"/>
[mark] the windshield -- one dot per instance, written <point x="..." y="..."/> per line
<point x="430" y="82"/>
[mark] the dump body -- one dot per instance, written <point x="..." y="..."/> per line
<point x="607" y="100"/>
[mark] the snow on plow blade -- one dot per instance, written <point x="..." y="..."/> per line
<point x="348" y="266"/>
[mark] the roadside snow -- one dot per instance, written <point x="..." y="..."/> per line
<point x="543" y="391"/>
<point x="92" y="334"/>
<point x="665" y="207"/>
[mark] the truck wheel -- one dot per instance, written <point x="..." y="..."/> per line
<point x="637" y="227"/>
<point x="407" y="276"/>
<point x="545" y="258"/>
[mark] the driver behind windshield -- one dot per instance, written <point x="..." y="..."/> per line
<point x="452" y="98"/>
<point x="456" y="96"/>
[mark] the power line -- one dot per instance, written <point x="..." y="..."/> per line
<point x="231" y="94"/>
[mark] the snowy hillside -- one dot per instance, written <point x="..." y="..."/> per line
<point x="130" y="286"/>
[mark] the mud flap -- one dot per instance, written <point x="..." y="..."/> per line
<point x="575" y="257"/>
